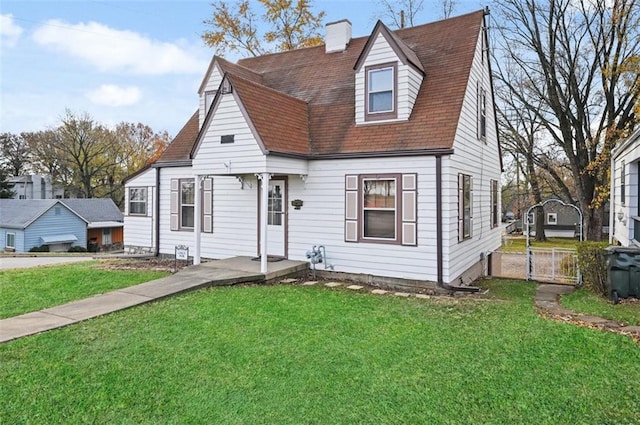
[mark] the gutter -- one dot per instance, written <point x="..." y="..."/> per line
<point x="439" y="239"/>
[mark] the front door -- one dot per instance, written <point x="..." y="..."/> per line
<point x="276" y="218"/>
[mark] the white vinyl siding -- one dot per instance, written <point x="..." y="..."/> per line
<point x="481" y="161"/>
<point x="139" y="230"/>
<point x="234" y="217"/>
<point x="321" y="220"/>
<point x="243" y="156"/>
<point x="625" y="203"/>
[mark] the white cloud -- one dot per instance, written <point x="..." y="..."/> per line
<point x="110" y="49"/>
<point x="112" y="95"/>
<point x="9" y="31"/>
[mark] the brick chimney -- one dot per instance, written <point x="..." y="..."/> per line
<point x="338" y="35"/>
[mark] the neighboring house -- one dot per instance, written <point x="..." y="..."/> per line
<point x="28" y="223"/>
<point x="624" y="216"/>
<point x="105" y="222"/>
<point x="560" y="220"/>
<point x="35" y="186"/>
<point x="383" y="149"/>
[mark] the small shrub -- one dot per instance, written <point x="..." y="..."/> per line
<point x="77" y="248"/>
<point x="41" y="248"/>
<point x="592" y="261"/>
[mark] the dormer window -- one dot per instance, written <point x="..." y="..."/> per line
<point x="381" y="83"/>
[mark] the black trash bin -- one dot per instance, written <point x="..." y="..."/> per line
<point x="623" y="273"/>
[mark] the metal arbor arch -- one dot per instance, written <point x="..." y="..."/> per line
<point x="527" y="228"/>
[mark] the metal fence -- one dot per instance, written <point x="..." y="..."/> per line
<point x="554" y="265"/>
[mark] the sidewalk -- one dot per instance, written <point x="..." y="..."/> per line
<point x="547" y="299"/>
<point x="215" y="273"/>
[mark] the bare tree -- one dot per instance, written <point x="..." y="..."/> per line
<point x="448" y="7"/>
<point x="578" y="66"/>
<point x="400" y="14"/>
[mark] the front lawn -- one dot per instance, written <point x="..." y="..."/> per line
<point x="26" y="290"/>
<point x="295" y="355"/>
<point x="587" y="302"/>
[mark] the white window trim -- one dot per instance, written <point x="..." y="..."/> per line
<point x="181" y="204"/>
<point x="7" y="240"/>
<point x="395" y="209"/>
<point x="555" y="218"/>
<point x="462" y="236"/>
<point x="370" y="92"/>
<point x="387" y="115"/>
<point x="143" y="201"/>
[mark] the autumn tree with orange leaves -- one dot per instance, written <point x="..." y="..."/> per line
<point x="280" y="25"/>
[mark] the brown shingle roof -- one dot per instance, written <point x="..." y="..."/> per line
<point x="180" y="147"/>
<point x="285" y="91"/>
<point x="280" y="120"/>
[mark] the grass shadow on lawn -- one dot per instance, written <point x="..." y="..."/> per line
<point x="291" y="354"/>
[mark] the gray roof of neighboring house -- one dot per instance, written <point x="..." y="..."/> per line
<point x="95" y="209"/>
<point x="19" y="213"/>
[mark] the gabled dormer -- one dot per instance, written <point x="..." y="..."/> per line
<point x="208" y="88"/>
<point x="388" y="78"/>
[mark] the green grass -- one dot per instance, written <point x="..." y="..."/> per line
<point x="26" y="290"/>
<point x="518" y="244"/>
<point x="585" y="301"/>
<point x="297" y="355"/>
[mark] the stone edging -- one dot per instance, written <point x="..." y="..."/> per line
<point x="547" y="302"/>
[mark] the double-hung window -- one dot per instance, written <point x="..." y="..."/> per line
<point x="182" y="205"/>
<point x="494" y="203"/>
<point x="187" y="203"/>
<point x="138" y="201"/>
<point x="379" y="209"/>
<point x="482" y="112"/>
<point x="465" y="207"/>
<point x="381" y="92"/>
<point x="623" y="193"/>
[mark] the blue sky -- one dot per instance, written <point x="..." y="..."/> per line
<point x="134" y="61"/>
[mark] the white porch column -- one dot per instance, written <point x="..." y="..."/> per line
<point x="264" y="212"/>
<point x="197" y="219"/>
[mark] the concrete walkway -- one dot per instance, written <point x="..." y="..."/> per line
<point x="215" y="273"/>
<point x="24" y="261"/>
<point x="547" y="299"/>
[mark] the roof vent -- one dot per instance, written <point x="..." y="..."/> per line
<point x="338" y="35"/>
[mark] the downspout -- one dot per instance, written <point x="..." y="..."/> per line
<point x="439" y="239"/>
<point x="157" y="212"/>
<point x="439" y="220"/>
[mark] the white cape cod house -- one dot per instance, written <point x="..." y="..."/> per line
<point x="383" y="149"/>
